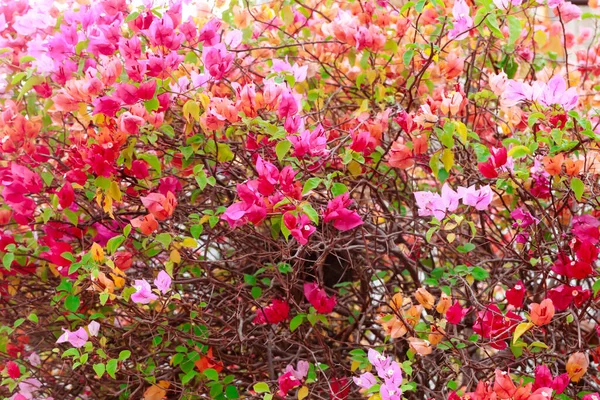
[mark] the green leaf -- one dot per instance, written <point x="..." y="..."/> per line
<point x="231" y="392"/>
<point x="211" y="374"/>
<point x="152" y="160"/>
<point x="152" y="105"/>
<point x="124" y="355"/>
<point x="196" y="231"/>
<point x="578" y="187"/>
<point x="296" y="322"/>
<point x="132" y="16"/>
<point x="282" y="149"/>
<point x="311" y="213"/>
<point x="479" y="273"/>
<point x="72" y="303"/>
<point x="111" y="368"/>
<point x="519" y="151"/>
<point x="492" y="23"/>
<point x="311" y="184"/>
<point x="114" y="243"/>
<point x="7" y="260"/>
<point x="261" y="387"/>
<point x="514" y="28"/>
<point x="256" y="292"/>
<point x="99" y="369"/>
<point x="216" y="390"/>
<point x="408" y="56"/>
<point x="338" y="189"/>
<point x="467" y="247"/>
<point x="164" y="239"/>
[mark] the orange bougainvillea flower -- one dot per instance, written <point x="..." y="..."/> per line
<point x="541" y="314"/>
<point x="573" y="168"/>
<point x="577" y="366"/>
<point x="420" y="346"/>
<point x="208" y="361"/>
<point x="444" y="304"/>
<point x="400" y="156"/>
<point x="420" y="144"/>
<point x="425" y="298"/>
<point x="554" y="164"/>
<point x="147" y="224"/>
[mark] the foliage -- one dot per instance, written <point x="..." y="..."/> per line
<point x="311" y="199"/>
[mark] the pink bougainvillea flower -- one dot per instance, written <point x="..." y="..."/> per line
<point x="543" y="378"/>
<point x="390" y="392"/>
<point x="251" y="209"/>
<point x="268" y="176"/>
<point x="143" y="294"/>
<point x="209" y="34"/>
<point x="379" y="360"/>
<point x="591" y="396"/>
<point x="319" y="299"/>
<point x="273" y="314"/>
<point x="106" y="105"/>
<point x="217" y="61"/>
<point x="300" y="228"/>
<point x="76" y="339"/>
<point x="462" y="20"/>
<point x="163" y="282"/>
<point x="313" y="144"/>
<point x="478" y="198"/>
<point x="516" y="295"/>
<point x="93" y="328"/>
<point x="567" y="11"/>
<point x="365" y="381"/>
<point x="337" y="211"/>
<point x="301" y="369"/>
<point x="430" y="203"/>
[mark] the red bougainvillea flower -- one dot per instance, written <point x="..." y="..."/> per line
<point x="287" y="382"/>
<point x="319" y="299"/>
<point x="516" y="295"/>
<point x="456" y="313"/>
<point x="300" y="228"/>
<point x="337" y="211"/>
<point x="13" y="370"/>
<point x="492" y="324"/>
<point x="563" y="295"/>
<point x="340" y="388"/>
<point x="273" y="314"/>
<point x="497" y="159"/>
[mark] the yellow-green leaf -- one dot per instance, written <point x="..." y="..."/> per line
<point x="521" y="329"/>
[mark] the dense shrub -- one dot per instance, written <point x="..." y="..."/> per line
<point x="305" y="199"/>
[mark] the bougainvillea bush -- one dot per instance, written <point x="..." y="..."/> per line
<point x="324" y="199"/>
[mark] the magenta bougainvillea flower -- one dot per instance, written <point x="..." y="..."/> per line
<point x="319" y="299"/>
